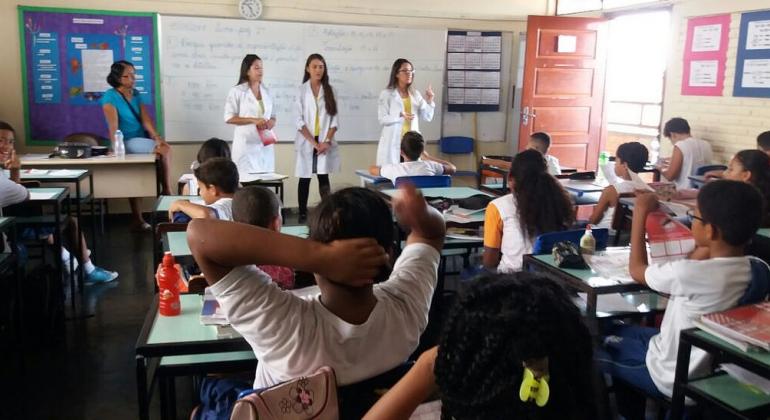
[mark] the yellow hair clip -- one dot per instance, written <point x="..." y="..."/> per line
<point x="534" y="389"/>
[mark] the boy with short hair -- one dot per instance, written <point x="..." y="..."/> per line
<point x="630" y="157"/>
<point x="541" y="142"/>
<point x="727" y="216"/>
<point x="358" y="328"/>
<point x="416" y="161"/>
<point x="258" y="206"/>
<point x="688" y="155"/>
<point x="217" y="182"/>
<point x="12" y="192"/>
<point x="763" y="142"/>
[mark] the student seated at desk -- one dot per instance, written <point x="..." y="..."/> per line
<point x="537" y="204"/>
<point x="357" y="327"/>
<point x="727" y="215"/>
<point x="630" y="157"/>
<point x="542" y="142"/>
<point x="258" y="206"/>
<point x="211" y="148"/>
<point x="763" y="142"/>
<point x="12" y="192"/>
<point x="217" y="180"/>
<point x="416" y="161"/>
<point x="689" y="153"/>
<point x="478" y="368"/>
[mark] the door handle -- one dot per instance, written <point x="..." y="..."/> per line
<point x="525" y="115"/>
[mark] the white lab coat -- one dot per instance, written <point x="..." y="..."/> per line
<point x="248" y="153"/>
<point x="389" y="109"/>
<point x="328" y="162"/>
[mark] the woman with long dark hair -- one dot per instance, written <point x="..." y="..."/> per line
<point x="249" y="107"/>
<point x="316" y="126"/>
<point x="537" y="204"/>
<point x="399" y="110"/>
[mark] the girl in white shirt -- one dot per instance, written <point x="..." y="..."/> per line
<point x="689" y="153"/>
<point x="399" y="109"/>
<point x="317" y="152"/>
<point x="249" y="107"/>
<point x="537" y="204"/>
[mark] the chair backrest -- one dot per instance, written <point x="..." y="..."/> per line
<point x="425" y="181"/>
<point x="759" y="285"/>
<point x="544" y="243"/>
<point x="456" y="145"/>
<point x="705" y="168"/>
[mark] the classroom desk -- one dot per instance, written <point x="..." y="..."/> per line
<point x="369" y="180"/>
<point x="58" y="199"/>
<point x="135" y="176"/>
<point x="269" y="180"/>
<point x="720" y="390"/>
<point x="180" y="335"/>
<point x="681" y="205"/>
<point x="455" y="193"/>
<point x="764" y="232"/>
<point x="176" y="242"/>
<point x="586" y="281"/>
<point x="75" y="177"/>
<point x="580" y="187"/>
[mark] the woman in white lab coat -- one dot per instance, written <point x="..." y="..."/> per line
<point x="399" y="109"/>
<point x="317" y="151"/>
<point x="249" y="108"/>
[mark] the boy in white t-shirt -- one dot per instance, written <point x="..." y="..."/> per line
<point x="416" y="161"/>
<point x="726" y="218"/>
<point x="217" y="182"/>
<point x="358" y="328"/>
<point x="541" y="142"/>
<point x="689" y="153"/>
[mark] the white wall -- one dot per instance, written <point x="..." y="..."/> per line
<point x="729" y="123"/>
<point x="502" y="15"/>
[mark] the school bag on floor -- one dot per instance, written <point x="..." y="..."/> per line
<point x="310" y="397"/>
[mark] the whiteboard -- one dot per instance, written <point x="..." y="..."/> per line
<point x="201" y="57"/>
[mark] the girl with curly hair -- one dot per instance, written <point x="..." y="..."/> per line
<point x="506" y="331"/>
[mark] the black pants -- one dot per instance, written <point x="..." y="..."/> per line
<point x="303" y="189"/>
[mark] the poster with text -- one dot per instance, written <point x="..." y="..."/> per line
<point x="66" y="57"/>
<point x="705" y="55"/>
<point x="752" y="64"/>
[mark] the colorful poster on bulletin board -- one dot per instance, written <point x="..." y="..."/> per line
<point x="752" y="66"/>
<point x="705" y="54"/>
<point x="66" y="57"/>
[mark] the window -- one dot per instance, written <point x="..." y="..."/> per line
<point x="565" y="7"/>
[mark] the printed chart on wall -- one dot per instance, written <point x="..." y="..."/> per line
<point x="473" y="71"/>
<point x="66" y="57"/>
<point x="752" y="67"/>
<point x="705" y="54"/>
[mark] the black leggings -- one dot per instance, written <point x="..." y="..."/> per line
<point x="304" y="190"/>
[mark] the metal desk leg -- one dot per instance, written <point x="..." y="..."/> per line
<point x="57" y="245"/>
<point x="680" y="380"/>
<point x="163" y="390"/>
<point x="79" y="235"/>
<point x="141" y="388"/>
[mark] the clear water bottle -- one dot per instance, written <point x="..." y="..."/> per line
<point x="120" y="146"/>
<point x="604" y="159"/>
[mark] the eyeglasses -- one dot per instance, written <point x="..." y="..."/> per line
<point x="691" y="216"/>
<point x="406" y="71"/>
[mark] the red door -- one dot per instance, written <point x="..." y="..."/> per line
<point x="563" y="92"/>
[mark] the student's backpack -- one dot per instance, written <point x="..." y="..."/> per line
<point x="759" y="285"/>
<point x="310" y="397"/>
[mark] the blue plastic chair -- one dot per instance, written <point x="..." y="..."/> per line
<point x="458" y="145"/>
<point x="701" y="170"/>
<point x="425" y="181"/>
<point x="544" y="243"/>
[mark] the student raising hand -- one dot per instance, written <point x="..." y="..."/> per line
<point x="413" y="213"/>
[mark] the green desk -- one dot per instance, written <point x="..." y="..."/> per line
<point x="588" y="282"/>
<point x="720" y="390"/>
<point x="171" y="342"/>
<point x="176" y="242"/>
<point x="455" y="193"/>
<point x="764" y="232"/>
<point x="57" y="199"/>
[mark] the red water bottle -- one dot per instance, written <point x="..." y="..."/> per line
<point x="168" y="287"/>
